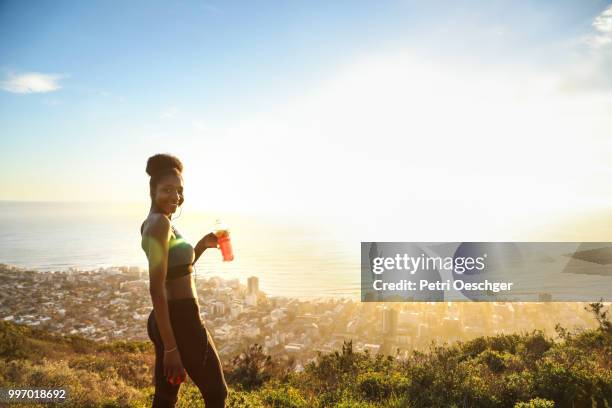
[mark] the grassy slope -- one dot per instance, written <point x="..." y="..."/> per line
<point x="496" y="371"/>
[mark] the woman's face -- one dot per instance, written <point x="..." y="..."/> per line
<point x="168" y="193"/>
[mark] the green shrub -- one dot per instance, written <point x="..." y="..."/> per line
<point x="536" y="403"/>
<point x="122" y="346"/>
<point x="374" y="386"/>
<point x="243" y="399"/>
<point x="251" y="369"/>
<point x="283" y="397"/>
<point x="516" y="386"/>
<point x="533" y="347"/>
<point x="497" y="361"/>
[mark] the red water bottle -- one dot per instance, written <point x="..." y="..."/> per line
<point x="223" y="239"/>
<point x="177" y="380"/>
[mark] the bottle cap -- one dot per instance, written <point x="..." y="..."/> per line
<point x="220" y="226"/>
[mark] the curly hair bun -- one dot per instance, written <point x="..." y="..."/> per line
<point x="163" y="161"/>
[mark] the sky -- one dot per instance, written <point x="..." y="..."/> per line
<point x="474" y="115"/>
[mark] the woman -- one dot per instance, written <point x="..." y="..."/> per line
<point x="180" y="338"/>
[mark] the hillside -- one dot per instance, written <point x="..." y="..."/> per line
<point x="572" y="370"/>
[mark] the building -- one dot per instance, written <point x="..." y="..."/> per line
<point x="250" y="299"/>
<point x="253" y="285"/>
<point x="389" y="321"/>
<point x="218" y="309"/>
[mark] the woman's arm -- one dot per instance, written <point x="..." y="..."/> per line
<point x="157" y="237"/>
<point x="198" y="252"/>
<point x="157" y="246"/>
<point x="209" y="241"/>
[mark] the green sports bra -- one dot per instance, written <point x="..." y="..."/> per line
<point x="181" y="255"/>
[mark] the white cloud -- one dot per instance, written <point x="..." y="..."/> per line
<point x="31" y="82"/>
<point x="589" y="58"/>
<point x="603" y="27"/>
<point x="603" y="22"/>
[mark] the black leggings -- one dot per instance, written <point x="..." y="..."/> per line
<point x="198" y="354"/>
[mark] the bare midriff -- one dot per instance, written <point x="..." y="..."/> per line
<point x="181" y="288"/>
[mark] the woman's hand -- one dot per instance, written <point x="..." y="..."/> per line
<point x="173" y="366"/>
<point x="209" y="241"/>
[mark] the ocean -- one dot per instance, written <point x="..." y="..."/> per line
<point x="295" y="257"/>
